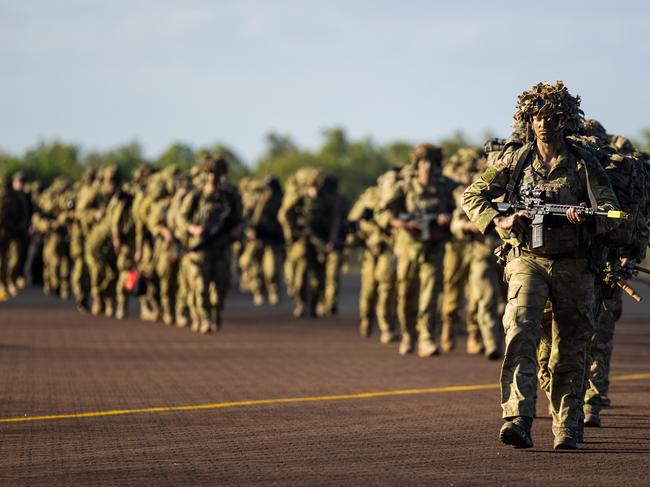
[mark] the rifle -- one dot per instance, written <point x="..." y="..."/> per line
<point x="618" y="275"/>
<point x="533" y="203"/>
<point x="427" y="222"/>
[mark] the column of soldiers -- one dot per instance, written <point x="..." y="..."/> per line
<point x="427" y="234"/>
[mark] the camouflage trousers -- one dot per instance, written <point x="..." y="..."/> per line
<point x="102" y="263"/>
<point x="56" y="265"/>
<point x="208" y="275"/>
<point x="600" y="350"/>
<point x="260" y="264"/>
<point x="333" y="265"/>
<point x="166" y="269"/>
<point x="419" y="282"/>
<point x="569" y="285"/>
<point x="17" y="256"/>
<point x="308" y="274"/>
<point x="377" y="296"/>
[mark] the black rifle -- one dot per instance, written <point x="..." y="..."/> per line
<point x="427" y="222"/>
<point x="532" y="202"/>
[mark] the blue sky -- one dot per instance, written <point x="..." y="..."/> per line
<point x="103" y="73"/>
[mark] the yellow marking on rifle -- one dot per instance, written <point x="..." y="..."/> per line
<point x="617" y="214"/>
<point x="285" y="400"/>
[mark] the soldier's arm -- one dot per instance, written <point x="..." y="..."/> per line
<point x="477" y="198"/>
<point x="390" y="209"/>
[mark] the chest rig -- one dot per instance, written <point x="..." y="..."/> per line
<point x="566" y="183"/>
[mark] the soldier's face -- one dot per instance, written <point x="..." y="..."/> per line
<point x="547" y="129"/>
<point x="17" y="184"/>
<point x="312" y="192"/>
<point x="425" y="170"/>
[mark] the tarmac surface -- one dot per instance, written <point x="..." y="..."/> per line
<point x="270" y="400"/>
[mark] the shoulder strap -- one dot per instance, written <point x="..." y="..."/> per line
<point x="516" y="173"/>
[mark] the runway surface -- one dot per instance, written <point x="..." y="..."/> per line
<point x="271" y="400"/>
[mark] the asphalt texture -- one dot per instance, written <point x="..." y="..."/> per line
<point x="57" y="362"/>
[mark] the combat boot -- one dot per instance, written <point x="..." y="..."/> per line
<point x="592" y="420"/>
<point x="365" y="329"/>
<point x="299" y="310"/>
<point x="605" y="401"/>
<point x="387" y="337"/>
<point x="427" y="348"/>
<point x="167" y="319"/>
<point x="516" y="432"/>
<point x="493" y="354"/>
<point x="109" y="309"/>
<point x="196" y="326"/>
<point x="20" y="282"/>
<point x="474" y="344"/>
<point x="96" y="307"/>
<point x="565" y="439"/>
<point x="181" y="319"/>
<point x="120" y="310"/>
<point x="206" y="327"/>
<point x="406" y="345"/>
<point x="447" y="339"/>
<point x="274" y="298"/>
<point x="13" y="290"/>
<point x="258" y="299"/>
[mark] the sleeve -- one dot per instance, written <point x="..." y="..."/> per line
<point x="477" y="198"/>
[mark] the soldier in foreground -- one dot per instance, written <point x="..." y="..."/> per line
<point x="551" y="261"/>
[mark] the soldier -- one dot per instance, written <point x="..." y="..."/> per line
<point x="558" y="269"/>
<point x="208" y="220"/>
<point x="12" y="215"/>
<point x="419" y="212"/>
<point x="334" y="260"/>
<point x="51" y="221"/>
<point x="456" y="264"/>
<point x="309" y="220"/>
<point x="377" y="293"/>
<point x="265" y="243"/>
<point x="20" y="243"/>
<point x="79" y="229"/>
<point x="477" y="268"/>
<point x="101" y="256"/>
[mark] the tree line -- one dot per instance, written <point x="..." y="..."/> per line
<point x="356" y="162"/>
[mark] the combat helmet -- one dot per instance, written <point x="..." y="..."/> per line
<point x="548" y="100"/>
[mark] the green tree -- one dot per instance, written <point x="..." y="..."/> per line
<point x="177" y="153"/>
<point x="47" y="161"/>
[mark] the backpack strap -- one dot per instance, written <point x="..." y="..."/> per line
<point x="516" y="173"/>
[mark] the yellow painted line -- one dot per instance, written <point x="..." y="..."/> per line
<point x="285" y="400"/>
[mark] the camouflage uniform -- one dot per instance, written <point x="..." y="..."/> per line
<point x="419" y="266"/>
<point x="377" y="293"/>
<point x="309" y="221"/>
<point x="51" y="221"/>
<point x="12" y="217"/>
<point x="559" y="270"/>
<point x="264" y="247"/>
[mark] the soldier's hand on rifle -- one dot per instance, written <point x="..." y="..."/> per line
<point x="99" y="214"/>
<point x="194" y="230"/>
<point x="573" y="216"/>
<point x="443" y="219"/>
<point x="469" y="227"/>
<point x="517" y="222"/>
<point x="250" y="233"/>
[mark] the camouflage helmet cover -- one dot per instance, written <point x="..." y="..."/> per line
<point x="548" y="100"/>
<point x="426" y="151"/>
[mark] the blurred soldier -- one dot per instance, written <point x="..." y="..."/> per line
<point x="481" y="272"/>
<point x="165" y="245"/>
<point x="20" y="243"/>
<point x="51" y="221"/>
<point x="100" y="252"/>
<point x="377" y="293"/>
<point x="328" y="302"/>
<point x="264" y="245"/>
<point x="456" y="262"/>
<point x="419" y="213"/>
<point x="309" y="219"/>
<point x="208" y="220"/>
<point x="557" y="268"/>
<point x="79" y="229"/>
<point x="145" y="195"/>
<point x="12" y="216"/>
